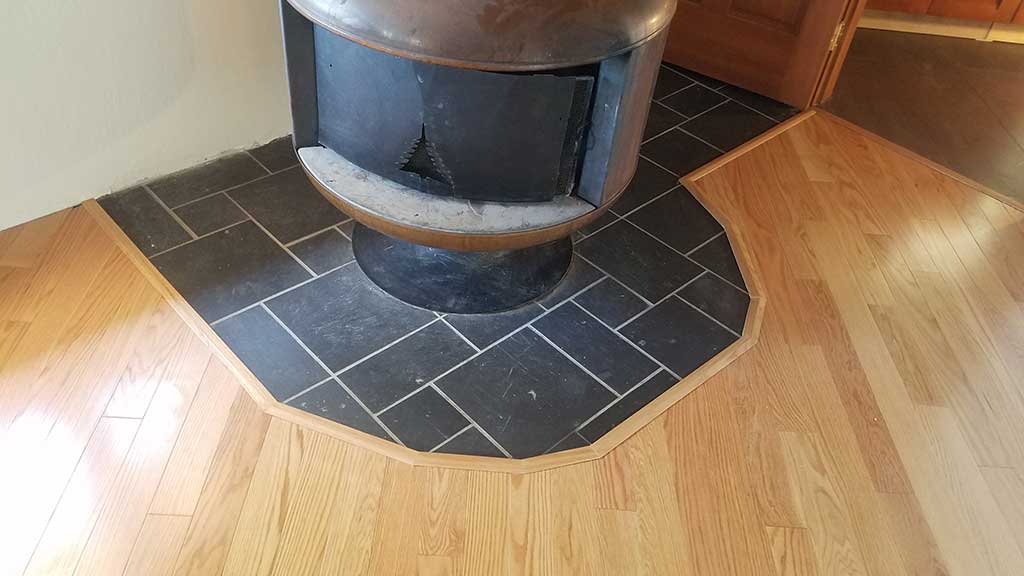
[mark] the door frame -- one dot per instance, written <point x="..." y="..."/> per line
<point x="837" y="57"/>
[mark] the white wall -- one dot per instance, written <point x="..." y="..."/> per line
<point x="96" y="95"/>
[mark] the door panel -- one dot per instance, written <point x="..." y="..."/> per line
<point x="775" y="47"/>
<point x="987" y="10"/>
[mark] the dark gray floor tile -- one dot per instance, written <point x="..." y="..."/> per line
<point x="287" y="205"/>
<point x="718" y="257"/>
<point x="612" y="302"/>
<point x="713" y="83"/>
<point x="206" y="179"/>
<point x="393" y="373"/>
<point x="597" y="348"/>
<point x="210" y="214"/>
<point x="679" y="152"/>
<point x="627" y="406"/>
<point x="678" y="335"/>
<point x="277" y="154"/>
<point x="424" y="420"/>
<point x="649" y="182"/>
<point x="570" y="442"/>
<point x="639" y="261"/>
<point x="525" y="394"/>
<point x="144" y="220"/>
<point x="471" y="443"/>
<point x="762" y="104"/>
<point x="677" y="219"/>
<point x="718" y="299"/>
<point x="694" y="100"/>
<point x="332" y="402"/>
<point x="579" y="276"/>
<point x="325" y="251"/>
<point x="343" y="317"/>
<point x="669" y="81"/>
<point x="229" y="270"/>
<point x="661" y="118"/>
<point x="729" y="125"/>
<point x="486" y="329"/>
<point x="277" y="360"/>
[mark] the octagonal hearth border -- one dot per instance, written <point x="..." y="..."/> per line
<point x="598" y="449"/>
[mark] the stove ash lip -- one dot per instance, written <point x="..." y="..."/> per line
<point x="509" y="38"/>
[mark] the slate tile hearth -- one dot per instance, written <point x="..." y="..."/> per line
<point x="654" y="291"/>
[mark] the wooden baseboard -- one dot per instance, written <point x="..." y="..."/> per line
<point x="936" y="26"/>
<point x="1011" y="202"/>
<point x="599" y="449"/>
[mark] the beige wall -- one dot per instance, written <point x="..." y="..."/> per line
<point x="98" y="95"/>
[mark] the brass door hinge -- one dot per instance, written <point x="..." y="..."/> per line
<point x="837" y="36"/>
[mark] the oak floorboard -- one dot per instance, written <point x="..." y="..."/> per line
<point x="876" y="428"/>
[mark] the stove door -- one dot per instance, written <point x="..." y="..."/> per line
<point x="450" y="131"/>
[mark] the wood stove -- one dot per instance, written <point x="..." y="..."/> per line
<point x="471" y="138"/>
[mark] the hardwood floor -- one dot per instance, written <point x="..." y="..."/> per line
<point x="877" y="428"/>
<point x="955" y="101"/>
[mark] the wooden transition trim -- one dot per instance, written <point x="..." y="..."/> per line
<point x="618" y="435"/>
<point x="945" y="171"/>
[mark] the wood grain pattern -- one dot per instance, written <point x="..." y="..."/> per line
<point x="876" y="428"/>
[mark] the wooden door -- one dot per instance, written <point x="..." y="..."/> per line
<point x="779" y="48"/>
<point x="1020" y="15"/>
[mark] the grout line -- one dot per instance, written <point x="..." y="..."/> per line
<point x="636" y="346"/>
<point x="342" y="231"/>
<point x="645" y="204"/>
<point x="692" y="135"/>
<point x="454" y="329"/>
<point x="674" y="92"/>
<point x="574" y="294"/>
<point x="310" y="389"/>
<point x="172" y="214"/>
<point x="634" y="317"/>
<point x="470" y="419"/>
<point x="603" y="271"/>
<point x="608" y="225"/>
<point x="670" y="247"/>
<point x="618" y="400"/>
<point x="712" y="318"/>
<point x="745" y="105"/>
<point x="196" y="239"/>
<point x="706" y="242"/>
<point x="387" y="346"/>
<point x="225" y="190"/>
<point x="575" y="361"/>
<point x="602" y="411"/>
<point x="328" y="370"/>
<point x="272" y="237"/>
<point x="660" y="134"/>
<point x="672" y="172"/>
<point x="452" y="437"/>
<point x="319" y="232"/>
<point x="719" y="105"/>
<point x="483" y="350"/>
<point x="281" y="293"/>
<point x="257" y="160"/>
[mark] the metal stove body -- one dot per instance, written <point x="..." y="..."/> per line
<point x="474" y="135"/>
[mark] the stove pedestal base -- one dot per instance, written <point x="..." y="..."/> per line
<point x="454" y="282"/>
